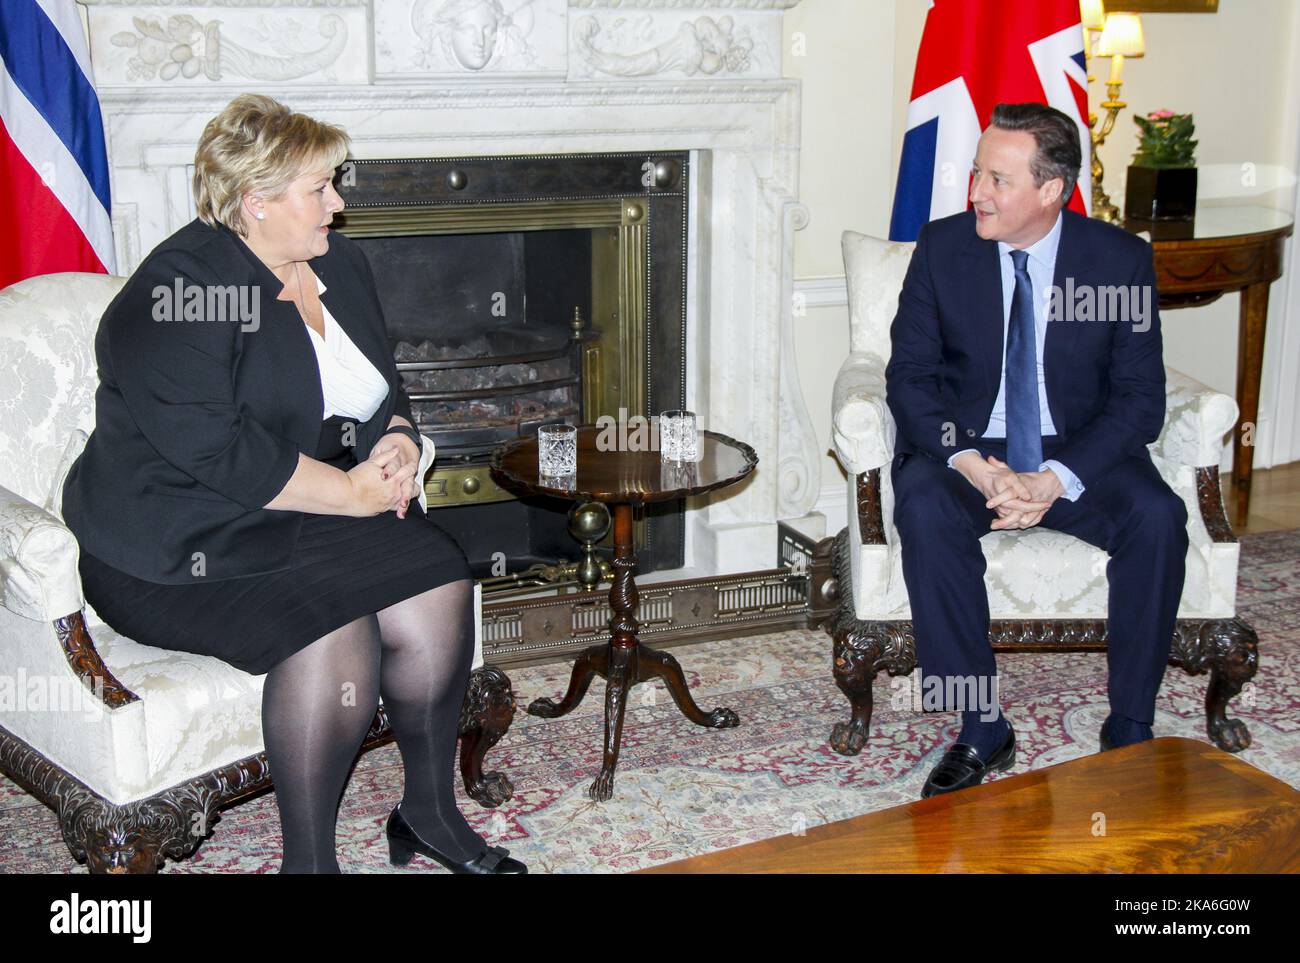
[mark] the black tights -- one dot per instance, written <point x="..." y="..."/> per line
<point x="318" y="704"/>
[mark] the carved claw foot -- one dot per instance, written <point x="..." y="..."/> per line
<point x="848" y="738"/>
<point x="1230" y="735"/>
<point x="486" y="714"/>
<point x="721" y="718"/>
<point x="492" y="790"/>
<point x="863" y="648"/>
<point x="544" y="708"/>
<point x="603" y="788"/>
<point x="1229" y="648"/>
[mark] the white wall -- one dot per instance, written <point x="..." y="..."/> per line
<point x="1235" y="70"/>
<point x="843" y="53"/>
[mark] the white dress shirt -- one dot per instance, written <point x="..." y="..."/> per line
<point x="1041" y="267"/>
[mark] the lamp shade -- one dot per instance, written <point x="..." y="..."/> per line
<point x="1122" y="35"/>
<point x="1093" y="14"/>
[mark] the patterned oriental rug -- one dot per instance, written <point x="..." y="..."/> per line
<point x="682" y="790"/>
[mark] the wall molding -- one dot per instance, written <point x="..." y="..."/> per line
<point x="829" y="291"/>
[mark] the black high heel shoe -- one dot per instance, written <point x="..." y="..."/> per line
<point x="404" y="842"/>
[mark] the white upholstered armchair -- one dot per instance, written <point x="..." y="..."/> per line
<point x="135" y="747"/>
<point x="1047" y="590"/>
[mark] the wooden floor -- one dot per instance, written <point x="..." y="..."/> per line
<point x="1167" y="805"/>
<point x="1274" y="499"/>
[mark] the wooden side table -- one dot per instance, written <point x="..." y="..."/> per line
<point x="624" y="479"/>
<point x="1225" y="249"/>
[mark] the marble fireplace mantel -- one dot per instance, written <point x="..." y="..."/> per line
<point x="429" y="78"/>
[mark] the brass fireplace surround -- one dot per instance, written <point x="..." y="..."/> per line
<point x="614" y="378"/>
<point x="634" y="206"/>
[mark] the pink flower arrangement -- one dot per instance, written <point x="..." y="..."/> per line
<point x="1165" y="140"/>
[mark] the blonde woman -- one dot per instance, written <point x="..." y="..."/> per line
<point x="252" y="488"/>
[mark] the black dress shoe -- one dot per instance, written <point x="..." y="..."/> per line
<point x="1105" y="737"/>
<point x="404" y="842"/>
<point x="961" y="766"/>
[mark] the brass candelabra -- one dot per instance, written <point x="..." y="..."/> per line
<point x="1102" y="207"/>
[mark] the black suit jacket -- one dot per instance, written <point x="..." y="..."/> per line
<point x="198" y="423"/>
<point x="1105" y="379"/>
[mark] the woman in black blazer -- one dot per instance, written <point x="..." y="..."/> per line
<point x="251" y="490"/>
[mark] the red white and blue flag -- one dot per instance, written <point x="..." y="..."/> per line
<point x="974" y="55"/>
<point x="54" y="197"/>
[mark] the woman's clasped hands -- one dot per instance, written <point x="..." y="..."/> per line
<point x="386" y="481"/>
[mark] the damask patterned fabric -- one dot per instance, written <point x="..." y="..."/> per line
<point x="47" y="333"/>
<point x="862" y="427"/>
<point x="1031" y="574"/>
<point x="38" y="561"/>
<point x="194" y="713"/>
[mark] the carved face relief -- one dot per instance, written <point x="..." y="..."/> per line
<point x="474" y="37"/>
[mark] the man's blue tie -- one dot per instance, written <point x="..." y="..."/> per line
<point x="1024" y="432"/>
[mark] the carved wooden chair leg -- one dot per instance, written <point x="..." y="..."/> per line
<point x="486" y="714"/>
<point x="1234" y="659"/>
<point x="854" y="674"/>
<point x="863" y="649"/>
<point x="133" y="838"/>
<point x="1228" y="650"/>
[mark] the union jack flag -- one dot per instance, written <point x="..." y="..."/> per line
<point x="974" y="55"/>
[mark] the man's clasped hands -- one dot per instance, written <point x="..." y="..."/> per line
<point x="1021" y="498"/>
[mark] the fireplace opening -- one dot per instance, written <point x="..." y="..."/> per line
<point x="488" y="332"/>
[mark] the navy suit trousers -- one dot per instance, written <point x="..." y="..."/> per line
<point x="1131" y="513"/>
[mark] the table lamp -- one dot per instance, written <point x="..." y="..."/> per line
<point x="1121" y="37"/>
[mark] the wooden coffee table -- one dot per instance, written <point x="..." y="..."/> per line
<point x="1166" y="805"/>
<point x="624" y="479"/>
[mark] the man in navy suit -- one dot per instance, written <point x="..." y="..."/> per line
<point x="1026" y="379"/>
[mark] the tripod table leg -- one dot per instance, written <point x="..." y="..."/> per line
<point x="653" y="664"/>
<point x="592" y="661"/>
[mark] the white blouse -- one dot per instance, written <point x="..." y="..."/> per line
<point x="351" y="385"/>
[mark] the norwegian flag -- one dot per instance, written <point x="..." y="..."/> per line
<point x="974" y="55"/>
<point x="54" y="197"/>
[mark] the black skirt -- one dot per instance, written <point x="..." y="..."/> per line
<point x="342" y="568"/>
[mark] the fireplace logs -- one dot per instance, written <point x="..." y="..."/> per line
<point x="470" y="395"/>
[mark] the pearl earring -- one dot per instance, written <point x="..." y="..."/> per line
<point x="261" y="216"/>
